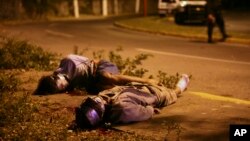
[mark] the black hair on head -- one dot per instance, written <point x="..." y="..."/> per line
<point x="46" y="85"/>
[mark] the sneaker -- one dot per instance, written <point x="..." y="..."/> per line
<point x="227" y="36"/>
<point x="183" y="82"/>
<point x="210" y="41"/>
<point x="224" y="38"/>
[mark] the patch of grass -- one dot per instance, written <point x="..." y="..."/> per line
<point x="21" y="119"/>
<point x="159" y="25"/>
<point x="8" y="81"/>
<point x="20" y="54"/>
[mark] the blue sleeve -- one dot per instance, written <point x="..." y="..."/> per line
<point x="107" y="67"/>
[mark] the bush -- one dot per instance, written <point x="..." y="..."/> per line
<point x="129" y="66"/>
<point x="20" y="54"/>
<point x="8" y="81"/>
<point x="132" y="67"/>
<point x="168" y="81"/>
<point x="21" y="119"/>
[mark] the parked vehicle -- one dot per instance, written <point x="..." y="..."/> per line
<point x="184" y="10"/>
<point x="166" y="6"/>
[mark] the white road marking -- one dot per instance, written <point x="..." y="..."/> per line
<point x="60" y="34"/>
<point x="204" y="94"/>
<point x="193" y="57"/>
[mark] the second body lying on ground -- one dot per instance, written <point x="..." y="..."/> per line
<point x="125" y="104"/>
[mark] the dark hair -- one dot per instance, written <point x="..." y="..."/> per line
<point x="89" y="114"/>
<point x="46" y="85"/>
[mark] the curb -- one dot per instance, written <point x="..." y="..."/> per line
<point x="231" y="40"/>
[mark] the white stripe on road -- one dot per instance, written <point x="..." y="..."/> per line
<point x="203" y="94"/>
<point x="191" y="56"/>
<point x="59" y="34"/>
<point x="220" y="98"/>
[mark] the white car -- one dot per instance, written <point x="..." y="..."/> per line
<point x="166" y="6"/>
<point x="184" y="10"/>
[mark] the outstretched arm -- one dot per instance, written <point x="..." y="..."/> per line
<point x="124" y="79"/>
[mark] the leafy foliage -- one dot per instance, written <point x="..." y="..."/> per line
<point x="8" y="81"/>
<point x="14" y="108"/>
<point x="21" y="119"/>
<point x="100" y="54"/>
<point x="168" y="81"/>
<point x="129" y="66"/>
<point x="20" y="54"/>
<point x="19" y="115"/>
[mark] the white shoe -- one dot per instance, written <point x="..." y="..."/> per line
<point x="183" y="82"/>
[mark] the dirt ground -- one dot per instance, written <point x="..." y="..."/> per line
<point x="191" y="118"/>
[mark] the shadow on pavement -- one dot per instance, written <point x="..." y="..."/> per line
<point x="181" y="127"/>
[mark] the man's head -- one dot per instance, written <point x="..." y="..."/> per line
<point x="51" y="84"/>
<point x="90" y="113"/>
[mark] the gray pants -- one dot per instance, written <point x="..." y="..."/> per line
<point x="137" y="103"/>
<point x="164" y="95"/>
<point x="159" y="96"/>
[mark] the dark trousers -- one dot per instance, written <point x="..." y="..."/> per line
<point x="221" y="24"/>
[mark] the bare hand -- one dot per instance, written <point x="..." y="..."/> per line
<point x="157" y="111"/>
<point x="211" y="18"/>
<point x="152" y="82"/>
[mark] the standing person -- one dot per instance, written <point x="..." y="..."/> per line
<point x="214" y="11"/>
<point x="81" y="72"/>
<point x="126" y="104"/>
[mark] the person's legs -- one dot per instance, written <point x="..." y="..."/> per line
<point x="221" y="25"/>
<point x="169" y="96"/>
<point x="210" y="26"/>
